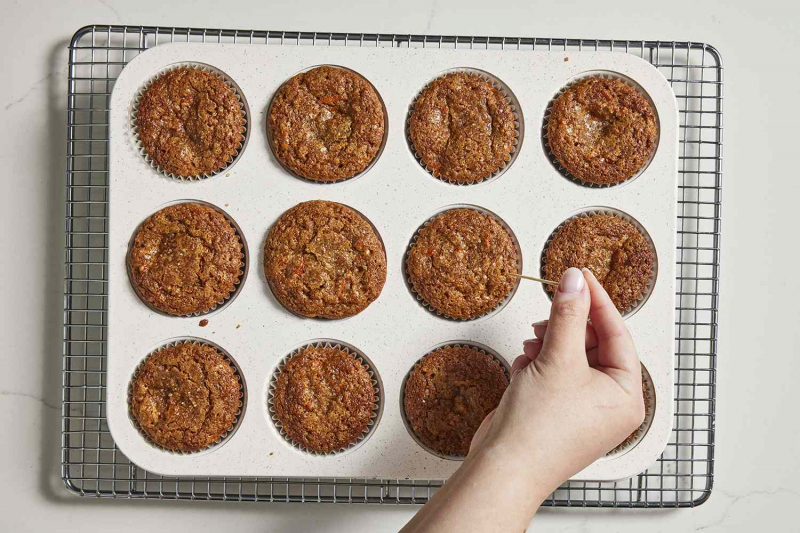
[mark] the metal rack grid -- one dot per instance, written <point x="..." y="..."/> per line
<point x="91" y="464"/>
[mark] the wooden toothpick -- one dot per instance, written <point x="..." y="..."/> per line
<point x="540" y="280"/>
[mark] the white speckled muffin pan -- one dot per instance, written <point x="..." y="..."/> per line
<point x="397" y="195"/>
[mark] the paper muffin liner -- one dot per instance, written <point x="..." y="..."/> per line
<point x="242" y="396"/>
<point x="546" y="122"/>
<point x="619" y="214"/>
<point x="377" y="386"/>
<point x="134" y="109"/>
<point x="238" y="284"/>
<point x="496" y="309"/>
<point x="354" y="176"/>
<point x="649" y="414"/>
<point x="483" y="349"/>
<point x="508" y="94"/>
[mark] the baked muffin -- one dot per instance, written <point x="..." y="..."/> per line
<point x="324" y="399"/>
<point x="186" y="397"/>
<point x="190" y="122"/>
<point x="185" y="259"/>
<point x="463" y="263"/>
<point x="326" y="124"/>
<point x="648" y="407"/>
<point x="462" y="128"/>
<point x="612" y="248"/>
<point x="323" y="259"/>
<point x="449" y="393"/>
<point x="602" y="131"/>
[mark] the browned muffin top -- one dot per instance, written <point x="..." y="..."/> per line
<point x="601" y="130"/>
<point x="324" y="399"/>
<point x="190" y="122"/>
<point x="323" y="259"/>
<point x="326" y="124"/>
<point x="449" y="393"/>
<point x="462" y="128"/>
<point x="612" y="248"/>
<point x="462" y="264"/>
<point x="185" y="259"/>
<point x="186" y="397"/>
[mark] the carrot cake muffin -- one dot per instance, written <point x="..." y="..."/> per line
<point x="323" y="259"/>
<point x="324" y="399"/>
<point x="462" y="128"/>
<point x="602" y="131"/>
<point x="326" y="124"/>
<point x="190" y="122"/>
<point x="463" y="263"/>
<point x="185" y="259"/>
<point x="612" y="248"/>
<point x="186" y="397"/>
<point x="449" y="393"/>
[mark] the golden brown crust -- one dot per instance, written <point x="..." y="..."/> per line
<point x="324" y="399"/>
<point x="602" y="130"/>
<point x="449" y="393"/>
<point x="186" y="397"/>
<point x="190" y="122"/>
<point x="323" y="259"/>
<point x="185" y="258"/>
<point x="326" y="124"/>
<point x="462" y="128"/>
<point x="612" y="248"/>
<point x="463" y="263"/>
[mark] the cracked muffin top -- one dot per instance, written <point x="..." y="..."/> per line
<point x="449" y="393"/>
<point x="190" y="122"/>
<point x="324" y="399"/>
<point x="602" y="131"/>
<point x="326" y="124"/>
<point x="323" y="259"/>
<point x="185" y="259"/>
<point x="186" y="397"/>
<point x="612" y="248"/>
<point x="463" y="263"/>
<point x="462" y="128"/>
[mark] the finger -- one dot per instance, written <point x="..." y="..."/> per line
<point x="531" y="348"/>
<point x="540" y="328"/>
<point x="615" y="346"/>
<point x="566" y="330"/>
<point x="519" y="364"/>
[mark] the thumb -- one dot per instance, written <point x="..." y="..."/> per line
<point x="566" y="331"/>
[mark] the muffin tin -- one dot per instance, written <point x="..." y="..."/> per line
<point x="397" y="196"/>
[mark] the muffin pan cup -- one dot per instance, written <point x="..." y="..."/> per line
<point x="238" y="284"/>
<point x="648" y="290"/>
<point x="519" y="124"/>
<point x="531" y="198"/>
<point x="546" y="122"/>
<point x="377" y="409"/>
<point x="134" y="109"/>
<point x="239" y="414"/>
<point x="429" y="307"/>
<point x="485" y="350"/>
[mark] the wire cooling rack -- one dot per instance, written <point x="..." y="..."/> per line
<point x="91" y="464"/>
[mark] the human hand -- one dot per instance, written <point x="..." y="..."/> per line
<point x="576" y="391"/>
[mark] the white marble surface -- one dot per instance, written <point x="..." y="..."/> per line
<point x="756" y="467"/>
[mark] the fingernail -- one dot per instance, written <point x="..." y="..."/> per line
<point x="540" y="323"/>
<point x="531" y="341"/>
<point x="572" y="281"/>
